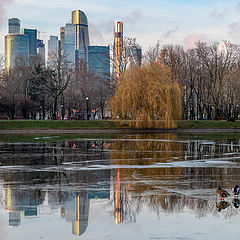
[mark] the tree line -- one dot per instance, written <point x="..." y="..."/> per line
<point x="50" y="92"/>
<point x="193" y="84"/>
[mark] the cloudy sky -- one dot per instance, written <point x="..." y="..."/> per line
<point x="170" y="21"/>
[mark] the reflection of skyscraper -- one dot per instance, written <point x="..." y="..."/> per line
<point x="117" y="49"/>
<point x="118" y="200"/>
<point x="76" y="210"/>
<point x="16" y="48"/>
<point x="13" y="25"/>
<point x="80" y="22"/>
<point x="21" y="202"/>
<point x="80" y="222"/>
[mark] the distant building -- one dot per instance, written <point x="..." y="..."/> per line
<point x="16" y="48"/>
<point x="32" y="36"/>
<point x="117" y="49"/>
<point x="80" y="22"/>
<point x="99" y="61"/>
<point x="135" y="55"/>
<point x="54" y="48"/>
<point x="69" y="43"/>
<point x="62" y="33"/>
<point x="13" y="26"/>
<point x="41" y="50"/>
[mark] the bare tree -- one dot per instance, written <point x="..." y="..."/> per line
<point x="60" y="78"/>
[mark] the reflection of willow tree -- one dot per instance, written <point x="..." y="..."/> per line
<point x="148" y="96"/>
<point x="137" y="151"/>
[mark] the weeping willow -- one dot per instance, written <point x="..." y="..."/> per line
<point x="147" y="97"/>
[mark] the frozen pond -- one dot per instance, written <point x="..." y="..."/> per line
<point x="119" y="187"/>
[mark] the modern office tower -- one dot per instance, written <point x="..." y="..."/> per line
<point x="62" y="35"/>
<point x="54" y="48"/>
<point x="13" y="25"/>
<point x="117" y="49"/>
<point x="32" y="35"/>
<point x="41" y="50"/>
<point x="99" y="61"/>
<point x="16" y="48"/>
<point x="135" y="55"/>
<point x="80" y="22"/>
<point x="69" y="43"/>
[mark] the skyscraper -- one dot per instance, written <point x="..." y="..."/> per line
<point x="16" y="48"/>
<point x="117" y="49"/>
<point x="13" y="25"/>
<point x="69" y="43"/>
<point x="80" y="22"/>
<point x="54" y="48"/>
<point x="32" y="36"/>
<point x="99" y="61"/>
<point x="62" y="33"/>
<point x="41" y="50"/>
<point x="135" y="55"/>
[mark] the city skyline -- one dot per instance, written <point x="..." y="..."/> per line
<point x="177" y="22"/>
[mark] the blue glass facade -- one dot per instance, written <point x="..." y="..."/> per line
<point x="32" y="36"/>
<point x="69" y="43"/>
<point x="13" y="26"/>
<point x="54" y="48"/>
<point x="99" y="61"/>
<point x="16" y="48"/>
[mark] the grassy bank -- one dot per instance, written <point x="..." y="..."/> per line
<point x="105" y="124"/>
<point x="50" y="124"/>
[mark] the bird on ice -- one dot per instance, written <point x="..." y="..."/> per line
<point x="222" y="193"/>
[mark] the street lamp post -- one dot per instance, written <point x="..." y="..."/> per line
<point x="87" y="99"/>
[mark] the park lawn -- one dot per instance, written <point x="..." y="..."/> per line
<point x="106" y="124"/>
<point x="211" y="124"/>
<point x="57" y="124"/>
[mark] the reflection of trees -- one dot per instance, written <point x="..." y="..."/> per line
<point x="169" y="189"/>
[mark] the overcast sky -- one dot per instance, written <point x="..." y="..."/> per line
<point x="170" y="21"/>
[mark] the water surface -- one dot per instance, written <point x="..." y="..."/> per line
<point x="158" y="186"/>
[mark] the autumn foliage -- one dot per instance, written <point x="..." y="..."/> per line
<point x="147" y="97"/>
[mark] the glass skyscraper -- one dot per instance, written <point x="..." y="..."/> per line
<point x="69" y="43"/>
<point x="13" y="25"/>
<point x="54" y="48"/>
<point x="80" y="22"/>
<point x="99" y="61"/>
<point x="41" y="50"/>
<point x="16" y="48"/>
<point x="135" y="55"/>
<point x="117" y="49"/>
<point x="32" y="35"/>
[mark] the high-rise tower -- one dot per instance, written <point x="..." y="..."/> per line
<point x="68" y="43"/>
<point x="13" y="25"/>
<point x="80" y="22"/>
<point x="32" y="36"/>
<point x="16" y="49"/>
<point x="117" y="49"/>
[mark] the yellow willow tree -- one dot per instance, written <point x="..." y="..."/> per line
<point x="147" y="96"/>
